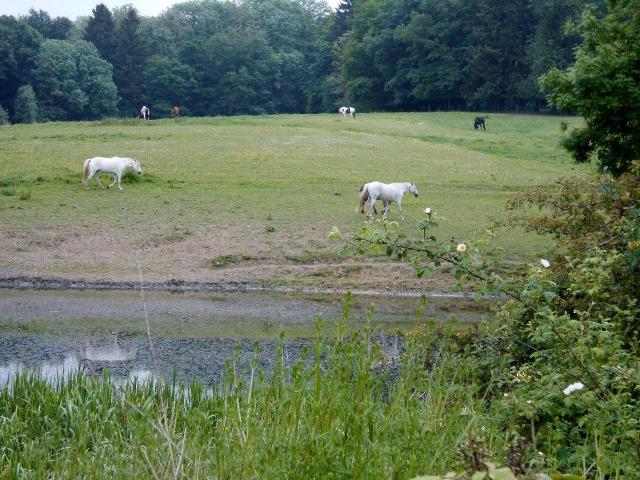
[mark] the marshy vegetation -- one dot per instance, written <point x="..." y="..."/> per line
<point x="345" y="410"/>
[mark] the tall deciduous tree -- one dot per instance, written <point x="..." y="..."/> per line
<point x="58" y="28"/>
<point x="73" y="82"/>
<point x="604" y="87"/>
<point x="19" y="44"/>
<point x="431" y="73"/>
<point x="167" y="82"/>
<point x="26" y="106"/>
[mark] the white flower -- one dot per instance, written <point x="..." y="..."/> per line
<point x="427" y="211"/>
<point x="574" y="387"/>
<point x="461" y="248"/>
<point x="545" y="263"/>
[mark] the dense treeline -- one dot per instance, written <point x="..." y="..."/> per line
<point x="268" y="56"/>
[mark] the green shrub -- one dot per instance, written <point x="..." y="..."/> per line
<point x="572" y="319"/>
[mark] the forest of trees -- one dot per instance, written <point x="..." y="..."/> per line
<point x="286" y="56"/>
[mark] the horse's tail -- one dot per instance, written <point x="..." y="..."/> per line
<point x="364" y="196"/>
<point x="85" y="176"/>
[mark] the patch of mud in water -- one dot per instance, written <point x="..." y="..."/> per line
<point x="200" y="314"/>
<point x="41" y="283"/>
<point x="185" y="359"/>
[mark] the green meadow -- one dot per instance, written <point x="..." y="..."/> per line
<point x="257" y="196"/>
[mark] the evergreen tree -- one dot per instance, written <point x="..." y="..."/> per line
<point x="369" y="45"/>
<point x="342" y="16"/>
<point x="497" y="61"/>
<point x="100" y="31"/>
<point x="552" y="43"/>
<point x="129" y="61"/>
<point x="25" y="106"/>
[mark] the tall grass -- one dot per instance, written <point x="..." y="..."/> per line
<point x="344" y="410"/>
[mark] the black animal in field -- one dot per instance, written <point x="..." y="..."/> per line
<point x="479" y="123"/>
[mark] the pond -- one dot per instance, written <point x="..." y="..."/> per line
<point x="190" y="335"/>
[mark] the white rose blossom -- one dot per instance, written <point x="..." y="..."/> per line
<point x="461" y="248"/>
<point x="427" y="211"/>
<point x="574" y="387"/>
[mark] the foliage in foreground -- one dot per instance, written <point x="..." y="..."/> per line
<point x="565" y="353"/>
<point x="345" y="410"/>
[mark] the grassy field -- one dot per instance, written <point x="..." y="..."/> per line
<point x="253" y="198"/>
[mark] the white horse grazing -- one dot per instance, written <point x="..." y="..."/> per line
<point x="387" y="192"/>
<point x="113" y="165"/>
<point x="347" y="111"/>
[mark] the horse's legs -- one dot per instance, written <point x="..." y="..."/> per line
<point x="91" y="174"/>
<point x="98" y="179"/>
<point x="371" y="206"/>
<point x="400" y="208"/>
<point x="118" y="176"/>
<point x="385" y="212"/>
<point x="114" y="180"/>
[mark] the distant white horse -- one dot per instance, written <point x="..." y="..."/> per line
<point x="387" y="192"/>
<point x="113" y="165"/>
<point x="347" y="111"/>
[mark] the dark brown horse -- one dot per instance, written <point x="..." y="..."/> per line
<point x="175" y="112"/>
<point x="479" y="123"/>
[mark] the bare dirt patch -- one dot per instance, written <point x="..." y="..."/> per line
<point x="207" y="254"/>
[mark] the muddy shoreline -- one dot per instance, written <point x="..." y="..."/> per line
<point x="53" y="283"/>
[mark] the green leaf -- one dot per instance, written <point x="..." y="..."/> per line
<point x="502" y="474"/>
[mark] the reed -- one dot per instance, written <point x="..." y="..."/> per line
<point x="346" y="409"/>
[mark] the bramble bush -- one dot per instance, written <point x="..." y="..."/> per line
<point x="572" y="320"/>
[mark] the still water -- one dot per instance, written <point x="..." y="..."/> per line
<point x="189" y="335"/>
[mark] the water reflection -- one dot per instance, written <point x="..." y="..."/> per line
<point x="111" y="352"/>
<point x="130" y="359"/>
<point x="48" y="371"/>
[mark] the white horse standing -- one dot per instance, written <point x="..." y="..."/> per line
<point x="387" y="192"/>
<point x="113" y="165"/>
<point x="347" y="111"/>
